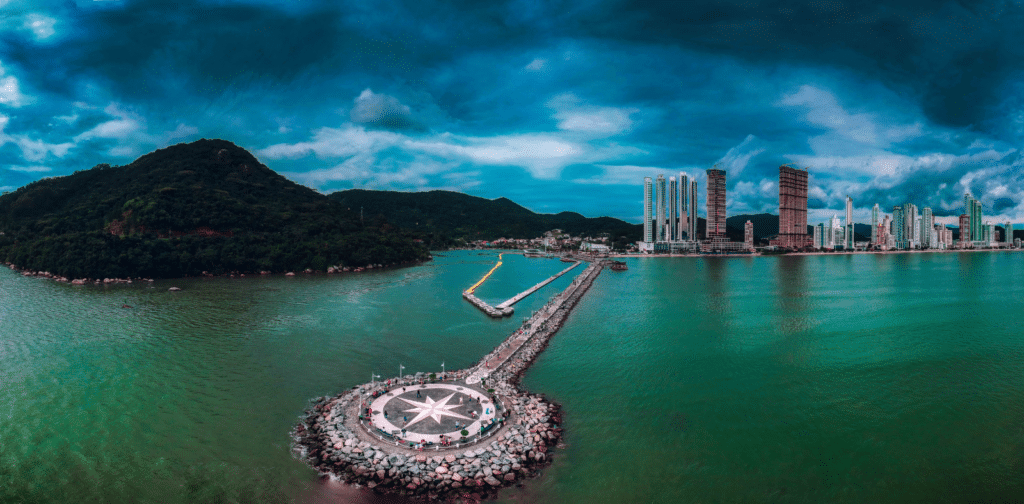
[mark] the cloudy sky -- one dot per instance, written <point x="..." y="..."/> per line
<point x="556" y="105"/>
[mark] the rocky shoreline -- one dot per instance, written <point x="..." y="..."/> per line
<point x="128" y="280"/>
<point x="333" y="439"/>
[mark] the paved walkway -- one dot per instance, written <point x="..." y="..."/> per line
<point x="513" y="343"/>
<point x="519" y="297"/>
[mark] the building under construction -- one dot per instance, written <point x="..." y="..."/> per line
<point x="792" y="209"/>
<point x="716" y="204"/>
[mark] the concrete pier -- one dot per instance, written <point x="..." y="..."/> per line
<point x="519" y="297"/>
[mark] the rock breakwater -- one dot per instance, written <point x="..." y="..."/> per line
<point x="337" y="435"/>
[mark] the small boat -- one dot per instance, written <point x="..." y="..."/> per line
<point x="619" y="266"/>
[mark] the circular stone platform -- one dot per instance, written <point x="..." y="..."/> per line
<point x="439" y="409"/>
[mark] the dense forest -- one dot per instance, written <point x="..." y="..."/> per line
<point x="444" y="218"/>
<point x="206" y="206"/>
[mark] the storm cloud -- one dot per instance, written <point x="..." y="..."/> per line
<point x="557" y="105"/>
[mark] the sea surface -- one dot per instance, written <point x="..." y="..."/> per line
<point x="866" y="378"/>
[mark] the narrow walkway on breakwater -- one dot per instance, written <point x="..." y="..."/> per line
<point x="519" y="297"/>
<point x="537" y="329"/>
<point x="505" y="309"/>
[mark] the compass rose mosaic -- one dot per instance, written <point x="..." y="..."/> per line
<point x="427" y="412"/>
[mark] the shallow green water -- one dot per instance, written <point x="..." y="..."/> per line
<point x="797" y="379"/>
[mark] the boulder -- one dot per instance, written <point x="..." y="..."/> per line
<point x="491" y="480"/>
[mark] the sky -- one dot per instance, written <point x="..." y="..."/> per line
<point x="555" y="105"/>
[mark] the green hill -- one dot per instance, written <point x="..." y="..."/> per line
<point x="441" y="217"/>
<point x="207" y="206"/>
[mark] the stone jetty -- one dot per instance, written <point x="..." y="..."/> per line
<point x="458" y="434"/>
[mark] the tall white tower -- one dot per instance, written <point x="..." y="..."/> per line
<point x="648" y="210"/>
<point x="659" y="209"/>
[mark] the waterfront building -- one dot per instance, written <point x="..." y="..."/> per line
<point x="716" y="204"/>
<point x="660" y="209"/>
<point x="748" y="235"/>
<point x="673" y="210"/>
<point x="990" y="234"/>
<point x="819" y="235"/>
<point x="972" y="207"/>
<point x="691" y="229"/>
<point x="874" y="224"/>
<point x="911" y="229"/>
<point x="899" y="229"/>
<point x="927" y="227"/>
<point x="1008" y="232"/>
<point x="836" y="234"/>
<point x="792" y="208"/>
<point x="1016" y="243"/>
<point x="849" y="222"/>
<point x="965" y="231"/>
<point x="648" y="211"/>
<point x="684" y="206"/>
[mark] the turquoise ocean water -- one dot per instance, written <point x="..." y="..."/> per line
<point x="896" y="378"/>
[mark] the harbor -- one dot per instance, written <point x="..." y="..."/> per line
<point x="505" y="309"/>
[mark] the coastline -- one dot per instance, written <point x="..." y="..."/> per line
<point x="859" y="252"/>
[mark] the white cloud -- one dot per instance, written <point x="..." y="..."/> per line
<point x="10" y="90"/>
<point x="37" y="150"/>
<point x="736" y="159"/>
<point x="334" y="142"/>
<point x="824" y="110"/>
<point x="41" y="26"/>
<point x="573" y="115"/>
<point x="67" y="119"/>
<point x="30" y="169"/>
<point x="380" y="110"/>
<point x="126" y="124"/>
<point x="630" y="175"/>
<point x="536" y="64"/>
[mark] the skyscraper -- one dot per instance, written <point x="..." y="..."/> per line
<point x="927" y="228"/>
<point x="899" y="226"/>
<point x="1008" y="232"/>
<point x="849" y="222"/>
<point x="648" y="210"/>
<point x="659" y="209"/>
<point x="792" y="208"/>
<point x="965" y="231"/>
<point x="673" y="210"/>
<point x="819" y="233"/>
<point x="691" y="230"/>
<point x="684" y="206"/>
<point x="748" y="235"/>
<point x="972" y="208"/>
<point x="874" y="224"/>
<point x="716" y="204"/>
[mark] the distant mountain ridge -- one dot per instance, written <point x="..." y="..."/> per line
<point x="448" y="215"/>
<point x="205" y="206"/>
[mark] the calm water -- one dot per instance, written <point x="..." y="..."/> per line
<point x="796" y="379"/>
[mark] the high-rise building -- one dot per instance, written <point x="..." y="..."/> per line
<point x="927" y="227"/>
<point x="659" y="208"/>
<point x="973" y="210"/>
<point x="874" y="224"/>
<point x="648" y="210"/>
<point x="849" y="222"/>
<point x="836" y="233"/>
<point x="819" y="233"/>
<point x="684" y="206"/>
<point x="899" y="228"/>
<point x="965" y="231"/>
<point x="1008" y="232"/>
<point x="989" y="234"/>
<point x="691" y="230"/>
<point x="748" y="235"/>
<point x="792" y="208"/>
<point x="673" y="210"/>
<point x="716" y="204"/>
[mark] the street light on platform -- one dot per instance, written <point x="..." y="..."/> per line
<point x="400" y="368"/>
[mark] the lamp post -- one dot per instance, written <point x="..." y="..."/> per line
<point x="400" y="368"/>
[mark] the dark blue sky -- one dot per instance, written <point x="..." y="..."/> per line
<point x="556" y="105"/>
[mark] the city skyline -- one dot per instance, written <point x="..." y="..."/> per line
<point x="558" y="107"/>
